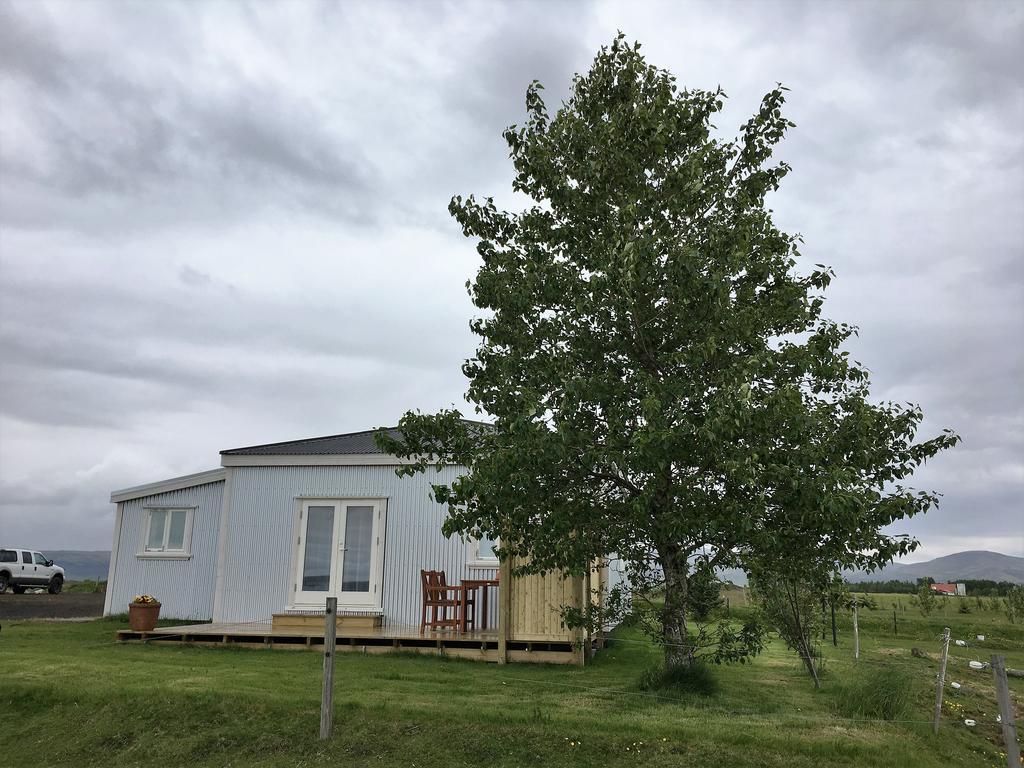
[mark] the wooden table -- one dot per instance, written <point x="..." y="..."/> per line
<point x="475" y="584"/>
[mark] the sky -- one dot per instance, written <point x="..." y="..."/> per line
<point x="224" y="224"/>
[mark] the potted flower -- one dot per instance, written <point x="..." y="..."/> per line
<point x="143" y="611"/>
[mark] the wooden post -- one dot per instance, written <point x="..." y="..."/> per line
<point x="327" y="697"/>
<point x="894" y="622"/>
<point x="588" y="640"/>
<point x="504" y="608"/>
<point x="942" y="679"/>
<point x="856" y="633"/>
<point x="835" y="639"/>
<point x="1006" y="711"/>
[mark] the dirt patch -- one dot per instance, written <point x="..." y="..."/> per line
<point x="67" y="605"/>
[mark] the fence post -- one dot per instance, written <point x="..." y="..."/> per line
<point x="327" y="697"/>
<point x="856" y="633"/>
<point x="1006" y="711"/>
<point x="942" y="679"/>
<point x="894" y="632"/>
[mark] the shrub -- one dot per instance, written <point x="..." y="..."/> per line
<point x="696" y="679"/>
<point x="704" y="593"/>
<point x="881" y="693"/>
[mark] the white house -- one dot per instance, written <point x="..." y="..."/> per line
<point x="280" y="527"/>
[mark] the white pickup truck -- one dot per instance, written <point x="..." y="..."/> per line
<point x="22" y="569"/>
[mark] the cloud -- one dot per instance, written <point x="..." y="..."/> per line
<point x="225" y="223"/>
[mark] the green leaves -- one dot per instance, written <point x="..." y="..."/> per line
<point x="659" y="374"/>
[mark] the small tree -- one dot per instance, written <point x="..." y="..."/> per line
<point x="661" y="380"/>
<point x="926" y="598"/>
<point x="705" y="595"/>
<point x="790" y="604"/>
<point x="1014" y="604"/>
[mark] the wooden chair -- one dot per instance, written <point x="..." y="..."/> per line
<point x="439" y="597"/>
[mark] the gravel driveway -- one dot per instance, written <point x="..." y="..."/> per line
<point x="67" y="605"/>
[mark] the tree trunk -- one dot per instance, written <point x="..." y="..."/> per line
<point x="678" y="648"/>
<point x="803" y="631"/>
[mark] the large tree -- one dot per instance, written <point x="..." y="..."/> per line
<point x="659" y="378"/>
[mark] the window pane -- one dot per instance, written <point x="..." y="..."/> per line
<point x="316" y="560"/>
<point x="485" y="550"/>
<point x="26" y="558"/>
<point x="355" y="575"/>
<point x="176" y="537"/>
<point x="38" y="558"/>
<point x="157" y="521"/>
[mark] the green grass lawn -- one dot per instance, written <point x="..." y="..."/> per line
<point x="71" y="696"/>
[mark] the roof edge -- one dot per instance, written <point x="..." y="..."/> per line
<point x="234" y="451"/>
<point x="316" y="459"/>
<point x="171" y="484"/>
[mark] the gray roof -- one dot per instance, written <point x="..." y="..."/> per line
<point x="351" y="442"/>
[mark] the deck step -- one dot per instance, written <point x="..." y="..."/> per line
<point x="315" y="621"/>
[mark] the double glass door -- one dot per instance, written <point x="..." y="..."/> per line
<point x="340" y="553"/>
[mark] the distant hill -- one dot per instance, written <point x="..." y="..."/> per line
<point x="958" y="566"/>
<point x="961" y="565"/>
<point x="79" y="565"/>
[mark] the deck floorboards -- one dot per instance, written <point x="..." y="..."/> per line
<point x="481" y="646"/>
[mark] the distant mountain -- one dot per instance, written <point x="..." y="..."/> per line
<point x="80" y="565"/>
<point x="958" y="566"/>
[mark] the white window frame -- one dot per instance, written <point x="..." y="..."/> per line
<point x="185" y="553"/>
<point x="476" y="561"/>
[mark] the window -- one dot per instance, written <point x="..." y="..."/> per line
<point x="26" y="557"/>
<point x="38" y="559"/>
<point x="481" y="552"/>
<point x="8" y="556"/>
<point x="169" y="532"/>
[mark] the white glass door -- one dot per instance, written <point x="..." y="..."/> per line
<point x="340" y="553"/>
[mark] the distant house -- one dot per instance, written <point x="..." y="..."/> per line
<point x="950" y="589"/>
<point x="278" y="528"/>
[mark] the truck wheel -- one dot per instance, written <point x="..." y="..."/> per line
<point x="4" y="581"/>
<point x="55" y="585"/>
<point x="18" y="590"/>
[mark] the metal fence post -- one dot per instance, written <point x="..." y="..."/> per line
<point x="327" y="697"/>
<point x="1006" y="711"/>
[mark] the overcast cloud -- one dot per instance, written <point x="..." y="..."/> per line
<point x="225" y="223"/>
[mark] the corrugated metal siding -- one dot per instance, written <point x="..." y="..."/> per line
<point x="260" y="540"/>
<point x="184" y="587"/>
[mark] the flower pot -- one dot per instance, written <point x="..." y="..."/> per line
<point x="142" y="616"/>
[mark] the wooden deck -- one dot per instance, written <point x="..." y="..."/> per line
<point x="479" y="646"/>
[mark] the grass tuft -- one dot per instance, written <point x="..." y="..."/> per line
<point x="881" y="693"/>
<point x="694" y="680"/>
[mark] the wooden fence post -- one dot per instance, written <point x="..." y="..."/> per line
<point x="327" y="697"/>
<point x="856" y="633"/>
<point x="1006" y="711"/>
<point x="942" y="679"/>
<point x="894" y="632"/>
